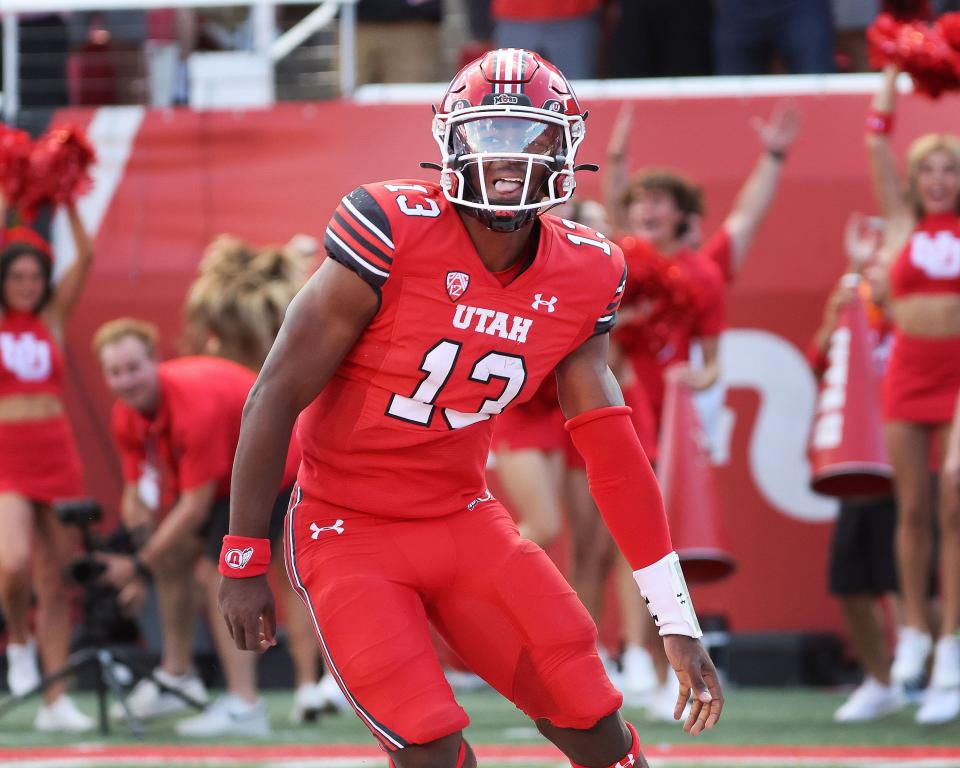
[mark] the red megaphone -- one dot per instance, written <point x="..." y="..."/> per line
<point x="847" y="453"/>
<point x="689" y="490"/>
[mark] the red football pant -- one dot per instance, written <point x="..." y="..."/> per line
<point x="373" y="585"/>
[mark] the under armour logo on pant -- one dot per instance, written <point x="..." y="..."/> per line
<point x="316" y="530"/>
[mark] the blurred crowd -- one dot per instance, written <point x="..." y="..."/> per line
<point x="142" y="56"/>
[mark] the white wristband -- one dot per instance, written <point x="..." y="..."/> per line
<point x="665" y="592"/>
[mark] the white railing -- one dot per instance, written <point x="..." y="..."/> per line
<point x="266" y="41"/>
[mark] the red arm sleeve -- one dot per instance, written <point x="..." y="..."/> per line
<point x="622" y="483"/>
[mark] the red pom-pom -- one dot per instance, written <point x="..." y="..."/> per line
<point x="59" y="169"/>
<point x="658" y="297"/>
<point x="930" y="54"/>
<point x="15" y="146"/>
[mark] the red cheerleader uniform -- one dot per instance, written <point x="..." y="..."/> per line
<point x="534" y="425"/>
<point x="923" y="375"/>
<point x="38" y="459"/>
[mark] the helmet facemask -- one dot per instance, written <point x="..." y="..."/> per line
<point x="506" y="164"/>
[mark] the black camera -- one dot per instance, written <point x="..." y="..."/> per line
<point x="103" y="618"/>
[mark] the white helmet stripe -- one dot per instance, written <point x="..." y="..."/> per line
<point x="496" y="72"/>
<point x="520" y="68"/>
<point x="508" y="71"/>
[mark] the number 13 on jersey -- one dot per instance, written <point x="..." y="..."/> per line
<point x="438" y="364"/>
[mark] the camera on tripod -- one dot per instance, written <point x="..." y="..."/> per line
<point x="104" y="619"/>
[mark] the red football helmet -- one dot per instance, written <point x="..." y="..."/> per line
<point x="508" y="129"/>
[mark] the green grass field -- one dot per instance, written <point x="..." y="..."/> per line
<point x="783" y="727"/>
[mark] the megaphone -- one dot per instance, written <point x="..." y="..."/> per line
<point x="686" y="478"/>
<point x="847" y="452"/>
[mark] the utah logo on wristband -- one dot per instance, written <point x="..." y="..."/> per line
<point x="237" y="558"/>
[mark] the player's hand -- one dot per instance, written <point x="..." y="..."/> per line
<point x="781" y="129"/>
<point x="697" y="675"/>
<point x="247" y="607"/>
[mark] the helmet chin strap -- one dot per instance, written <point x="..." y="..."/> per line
<point x="501" y="223"/>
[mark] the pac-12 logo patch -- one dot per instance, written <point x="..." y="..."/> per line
<point x="457" y="284"/>
<point x="238" y="558"/>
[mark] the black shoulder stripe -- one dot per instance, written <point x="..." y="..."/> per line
<point x="342" y="253"/>
<point x="359" y="236"/>
<point x="362" y="205"/>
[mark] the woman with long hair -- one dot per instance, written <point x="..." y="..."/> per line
<point x="234" y="309"/>
<point x="922" y="252"/>
<point x="39" y="462"/>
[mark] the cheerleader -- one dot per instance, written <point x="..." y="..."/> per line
<point x="922" y="253"/>
<point x="39" y="462"/>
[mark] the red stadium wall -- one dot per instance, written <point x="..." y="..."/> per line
<point x="267" y="175"/>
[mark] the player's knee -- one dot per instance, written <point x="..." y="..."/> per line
<point x="446" y="752"/>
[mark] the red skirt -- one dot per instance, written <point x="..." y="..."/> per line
<point x="922" y="380"/>
<point x="39" y="460"/>
<point x="530" y="426"/>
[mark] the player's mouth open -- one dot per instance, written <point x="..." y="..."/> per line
<point x="508" y="185"/>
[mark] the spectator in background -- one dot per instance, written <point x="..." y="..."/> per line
<point x="398" y="41"/>
<point x="176" y="425"/>
<point x="660" y="38"/>
<point x="921" y="385"/>
<point x="234" y="310"/>
<point x="728" y="246"/>
<point x="39" y="462"/>
<point x="564" y="31"/>
<point x="862" y="570"/>
<point x="747" y="35"/>
<point x="43" y="48"/>
<point x="665" y="210"/>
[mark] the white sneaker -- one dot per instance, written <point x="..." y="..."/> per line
<point x="333" y="698"/>
<point x="610" y="667"/>
<point x="941" y="700"/>
<point x="639" y="678"/>
<point x="940" y="705"/>
<point x="147" y="701"/>
<point x="308" y="703"/>
<point x="664" y="699"/>
<point x="910" y="659"/>
<point x="946" y="663"/>
<point x="228" y="716"/>
<point x="62" y="715"/>
<point x="23" y="674"/>
<point x="871" y="700"/>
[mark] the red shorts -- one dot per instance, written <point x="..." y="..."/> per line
<point x="39" y="460"/>
<point x="530" y="427"/>
<point x="373" y="585"/>
<point x="922" y="380"/>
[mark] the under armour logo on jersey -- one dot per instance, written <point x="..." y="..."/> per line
<point x="316" y="530"/>
<point x="627" y="762"/>
<point x="539" y="301"/>
<point x="238" y="558"/>
<point x="25" y="356"/>
<point x="457" y="284"/>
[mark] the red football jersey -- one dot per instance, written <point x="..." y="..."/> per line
<point x="403" y="428"/>
<point x="192" y="438"/>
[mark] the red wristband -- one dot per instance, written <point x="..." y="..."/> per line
<point x="242" y="557"/>
<point x="880" y="123"/>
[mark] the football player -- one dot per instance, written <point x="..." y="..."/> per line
<point x="441" y="305"/>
